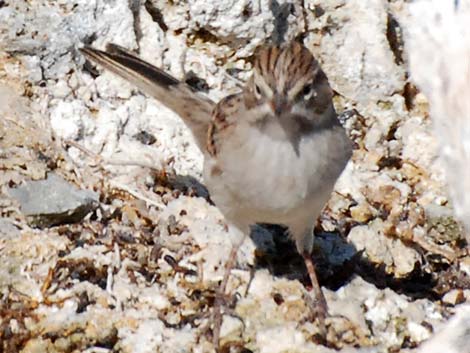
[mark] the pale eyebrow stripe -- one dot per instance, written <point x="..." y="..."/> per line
<point x="259" y="79"/>
<point x="301" y="83"/>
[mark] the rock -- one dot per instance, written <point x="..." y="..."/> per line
<point x="160" y="305"/>
<point x="232" y="328"/>
<point x="378" y="248"/>
<point x="357" y="58"/>
<point x="53" y="201"/>
<point x="439" y="43"/>
<point x="286" y="338"/>
<point x="8" y="229"/>
<point x="454" y="297"/>
<point x="361" y="213"/>
<point x="454" y="336"/>
<point x="385" y="313"/>
<point x="465" y="265"/>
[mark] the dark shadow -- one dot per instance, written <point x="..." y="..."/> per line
<point x="337" y="261"/>
<point x="196" y="82"/>
<point x="186" y="184"/>
<point x="417" y="285"/>
<point x="334" y="258"/>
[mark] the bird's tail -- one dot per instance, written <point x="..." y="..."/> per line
<point x="194" y="108"/>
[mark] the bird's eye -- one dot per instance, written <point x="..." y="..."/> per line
<point x="307" y="91"/>
<point x="257" y="91"/>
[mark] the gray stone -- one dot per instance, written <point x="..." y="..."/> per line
<point x="53" y="201"/>
<point x="357" y="58"/>
<point x="8" y="229"/>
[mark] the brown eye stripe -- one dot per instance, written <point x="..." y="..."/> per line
<point x="319" y="77"/>
<point x="267" y="60"/>
<point x="306" y="67"/>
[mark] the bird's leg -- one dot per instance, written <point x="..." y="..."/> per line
<point x="321" y="308"/>
<point x="220" y="296"/>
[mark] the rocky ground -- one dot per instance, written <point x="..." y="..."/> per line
<point x="108" y="239"/>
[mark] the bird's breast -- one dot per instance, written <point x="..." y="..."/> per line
<point x="270" y="178"/>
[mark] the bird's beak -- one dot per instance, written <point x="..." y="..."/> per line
<point x="278" y="105"/>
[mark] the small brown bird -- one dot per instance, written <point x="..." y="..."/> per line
<point x="272" y="153"/>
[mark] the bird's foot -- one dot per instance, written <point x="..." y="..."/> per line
<point x="319" y="306"/>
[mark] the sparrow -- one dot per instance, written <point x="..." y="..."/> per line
<point x="272" y="152"/>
